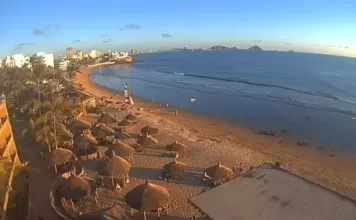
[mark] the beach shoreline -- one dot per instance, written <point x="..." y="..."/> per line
<point x="231" y="143"/>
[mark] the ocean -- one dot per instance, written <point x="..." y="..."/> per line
<point x="311" y="96"/>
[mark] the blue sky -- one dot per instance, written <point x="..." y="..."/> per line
<point x="304" y="25"/>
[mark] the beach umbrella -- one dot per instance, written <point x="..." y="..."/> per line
<point x="114" y="167"/>
<point x="125" y="122"/>
<point x="111" y="213"/>
<point x="76" y="187"/>
<point x="102" y="130"/>
<point x="146" y="141"/>
<point x="121" y="150"/>
<point x="147" y="197"/>
<point x="80" y="125"/>
<point x="131" y="117"/>
<point x="174" y="169"/>
<point x="150" y="130"/>
<point x="63" y="132"/>
<point x="107" y="118"/>
<point x="121" y="135"/>
<point x="219" y="172"/>
<point x="178" y="148"/>
<point x="60" y="156"/>
<point x="84" y="141"/>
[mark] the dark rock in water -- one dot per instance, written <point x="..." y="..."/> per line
<point x="268" y="133"/>
<point x="255" y="48"/>
<point x="308" y="117"/>
<point x="303" y="144"/>
<point x="284" y="131"/>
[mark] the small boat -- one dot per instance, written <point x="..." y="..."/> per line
<point x="192" y="100"/>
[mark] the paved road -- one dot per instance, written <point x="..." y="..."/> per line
<point x="40" y="184"/>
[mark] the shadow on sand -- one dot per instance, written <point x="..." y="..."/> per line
<point x="145" y="173"/>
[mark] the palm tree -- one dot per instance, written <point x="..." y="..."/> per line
<point x="38" y="75"/>
<point x="45" y="125"/>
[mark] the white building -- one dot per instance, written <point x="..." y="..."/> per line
<point x="120" y="55"/>
<point x="38" y="54"/>
<point x="19" y="60"/>
<point x="27" y="62"/>
<point x="92" y="54"/>
<point x="46" y="59"/>
<point x="80" y="54"/>
<point x="64" y="65"/>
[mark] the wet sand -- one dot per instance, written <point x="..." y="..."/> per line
<point x="212" y="140"/>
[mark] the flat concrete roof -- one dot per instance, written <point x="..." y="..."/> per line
<point x="271" y="193"/>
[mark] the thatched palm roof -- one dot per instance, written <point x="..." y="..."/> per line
<point x="121" y="150"/>
<point x="219" y="172"/>
<point x="175" y="168"/>
<point x="79" y="125"/>
<point x="150" y="130"/>
<point x="76" y="187"/>
<point x="125" y="122"/>
<point x="147" y="141"/>
<point x="115" y="166"/>
<point x="121" y="135"/>
<point x="107" y="118"/>
<point x="147" y="197"/>
<point x="63" y="131"/>
<point x="111" y="213"/>
<point x="84" y="141"/>
<point x="102" y="130"/>
<point x="60" y="156"/>
<point x="177" y="147"/>
<point x="131" y="117"/>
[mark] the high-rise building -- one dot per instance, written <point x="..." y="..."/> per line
<point x="47" y="59"/>
<point x="64" y="65"/>
<point x="79" y="54"/>
<point x="69" y="53"/>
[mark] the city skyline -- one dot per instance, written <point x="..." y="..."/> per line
<point x="316" y="27"/>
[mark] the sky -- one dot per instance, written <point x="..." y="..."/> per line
<point x="316" y="26"/>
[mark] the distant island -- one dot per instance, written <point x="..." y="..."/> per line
<point x="291" y="51"/>
<point x="222" y="48"/>
<point x="255" y="48"/>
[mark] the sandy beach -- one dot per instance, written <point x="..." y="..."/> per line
<point x="212" y="140"/>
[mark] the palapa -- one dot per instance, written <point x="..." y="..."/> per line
<point x="102" y="130"/>
<point x="177" y="147"/>
<point x="146" y="141"/>
<point x="116" y="167"/>
<point x="121" y="135"/>
<point x="150" y="130"/>
<point x="125" y="122"/>
<point x="80" y="125"/>
<point x="63" y="132"/>
<point x="121" y="150"/>
<point x="76" y="187"/>
<point x="147" y="197"/>
<point x="174" y="169"/>
<point x="131" y="117"/>
<point x="107" y="118"/>
<point x="220" y="173"/>
<point x="60" y="156"/>
<point x="85" y="141"/>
